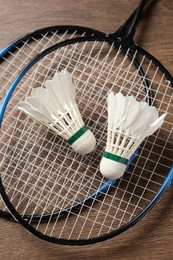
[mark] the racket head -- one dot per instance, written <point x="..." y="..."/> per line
<point x="131" y="197"/>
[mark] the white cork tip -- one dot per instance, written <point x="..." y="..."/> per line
<point x="85" y="143"/>
<point x="111" y="169"/>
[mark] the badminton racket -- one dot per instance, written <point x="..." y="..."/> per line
<point x="16" y="55"/>
<point x="58" y="177"/>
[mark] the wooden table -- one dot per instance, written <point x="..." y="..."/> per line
<point x="151" y="238"/>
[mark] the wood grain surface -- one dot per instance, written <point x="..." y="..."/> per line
<point x="152" y="237"/>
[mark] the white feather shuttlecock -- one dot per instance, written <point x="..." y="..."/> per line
<point x="129" y="123"/>
<point x="55" y="107"/>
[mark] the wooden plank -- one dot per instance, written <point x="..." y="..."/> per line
<point x="152" y="237"/>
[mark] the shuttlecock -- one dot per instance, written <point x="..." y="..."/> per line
<point x="129" y="123"/>
<point x="55" y="107"/>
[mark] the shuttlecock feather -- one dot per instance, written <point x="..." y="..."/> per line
<point x="55" y="107"/>
<point x="129" y="123"/>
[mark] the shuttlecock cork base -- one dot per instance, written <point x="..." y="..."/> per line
<point x="112" y="166"/>
<point x="54" y="106"/>
<point x="129" y="123"/>
<point x="83" y="141"/>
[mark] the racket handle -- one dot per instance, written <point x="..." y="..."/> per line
<point x="127" y="30"/>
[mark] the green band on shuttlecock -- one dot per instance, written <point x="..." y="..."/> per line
<point x="115" y="157"/>
<point x="78" y="134"/>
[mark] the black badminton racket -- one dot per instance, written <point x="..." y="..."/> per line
<point x="59" y="177"/>
<point x="16" y="55"/>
